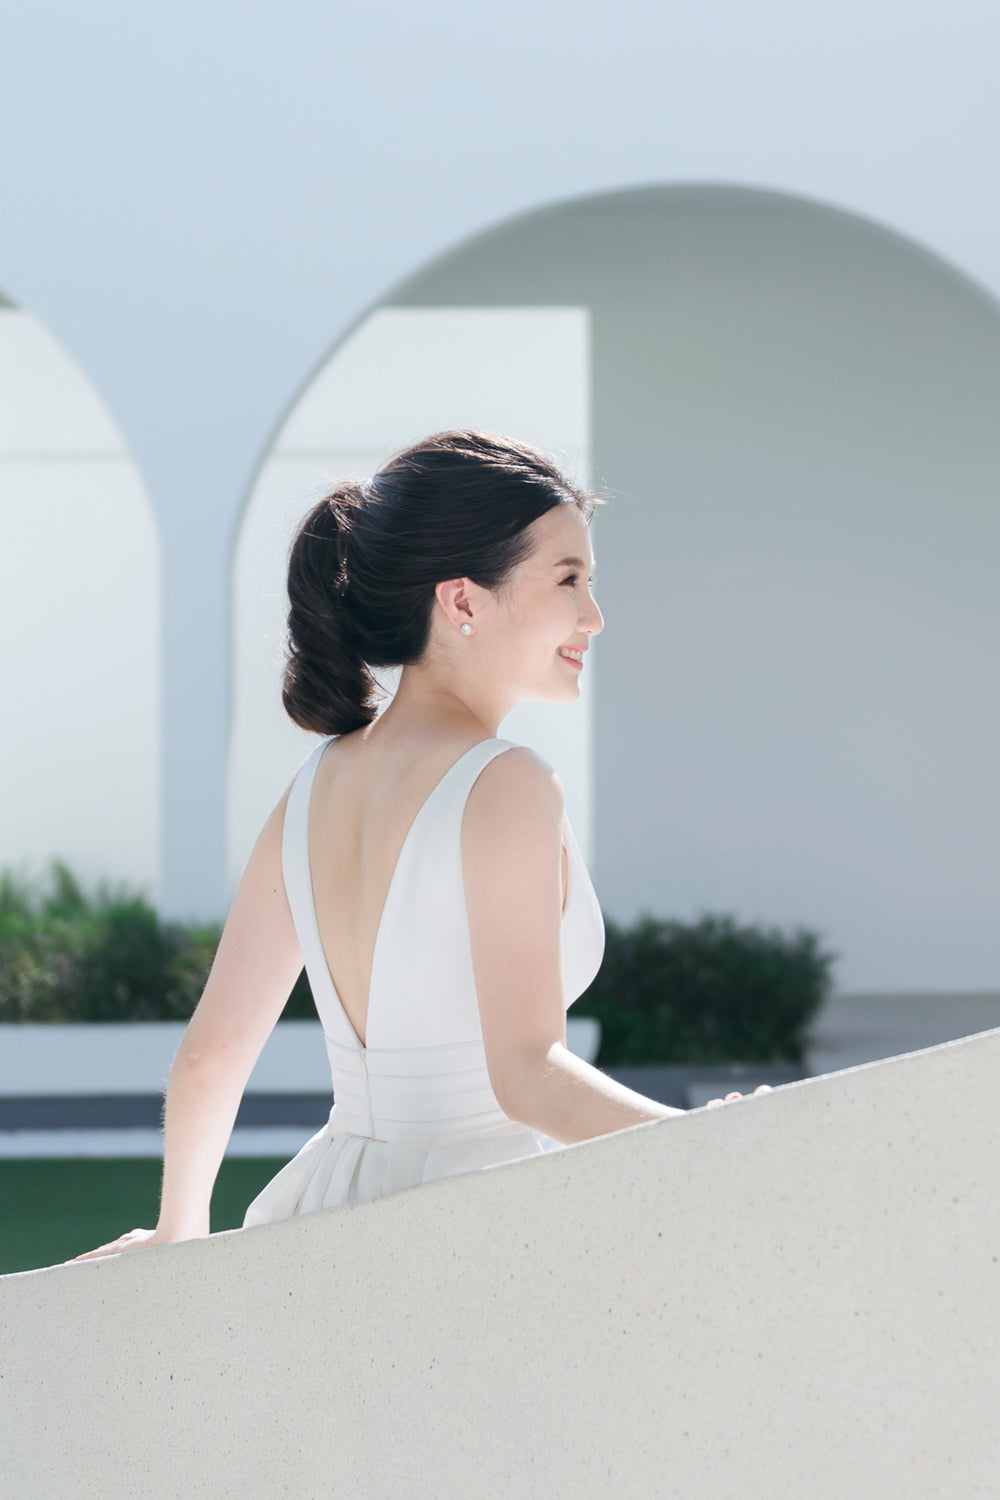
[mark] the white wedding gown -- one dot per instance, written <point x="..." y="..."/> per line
<point x="415" y="1103"/>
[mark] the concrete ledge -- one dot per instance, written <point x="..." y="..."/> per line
<point x="794" y="1295"/>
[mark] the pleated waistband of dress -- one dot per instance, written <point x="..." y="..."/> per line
<point x="415" y="1094"/>
<point x="346" y="1123"/>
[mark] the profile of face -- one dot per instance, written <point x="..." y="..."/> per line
<point x="547" y="611"/>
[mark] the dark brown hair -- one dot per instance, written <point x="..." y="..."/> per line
<point x="365" y="562"/>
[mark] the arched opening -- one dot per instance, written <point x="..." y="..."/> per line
<point x="794" y="411"/>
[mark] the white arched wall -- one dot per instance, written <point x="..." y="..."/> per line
<point x="795" y="412"/>
<point x="79" y="621"/>
<point x="400" y="375"/>
<point x="266" y="243"/>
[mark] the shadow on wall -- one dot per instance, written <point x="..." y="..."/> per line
<point x="794" y="410"/>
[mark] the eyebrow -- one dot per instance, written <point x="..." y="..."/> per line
<point x="577" y="562"/>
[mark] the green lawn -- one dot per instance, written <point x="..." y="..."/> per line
<point x="53" y="1210"/>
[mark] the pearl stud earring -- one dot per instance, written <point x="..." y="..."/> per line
<point x="466" y="628"/>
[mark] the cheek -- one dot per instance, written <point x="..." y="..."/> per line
<point x="563" y="610"/>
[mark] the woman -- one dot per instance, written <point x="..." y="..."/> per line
<point x="416" y="863"/>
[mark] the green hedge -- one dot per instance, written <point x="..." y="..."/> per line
<point x="710" y="991"/>
<point x="69" y="956"/>
<point x="667" y="992"/>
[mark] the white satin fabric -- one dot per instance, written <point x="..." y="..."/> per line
<point x="415" y="1103"/>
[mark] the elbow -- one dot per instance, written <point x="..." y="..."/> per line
<point x="517" y="1084"/>
<point x="512" y="1103"/>
<point x="201" y="1062"/>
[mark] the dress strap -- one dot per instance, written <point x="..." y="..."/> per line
<point x="295" y="849"/>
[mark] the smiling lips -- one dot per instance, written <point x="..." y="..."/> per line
<point x="576" y="657"/>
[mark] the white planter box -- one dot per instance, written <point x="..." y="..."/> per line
<point x="134" y="1057"/>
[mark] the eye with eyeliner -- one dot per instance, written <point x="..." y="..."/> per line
<point x="572" y="578"/>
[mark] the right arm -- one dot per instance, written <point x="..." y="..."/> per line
<point x="511" y="858"/>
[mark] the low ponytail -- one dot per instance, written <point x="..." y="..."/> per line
<point x="327" y="687"/>
<point x="365" y="564"/>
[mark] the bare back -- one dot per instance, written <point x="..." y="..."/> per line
<point x="364" y="800"/>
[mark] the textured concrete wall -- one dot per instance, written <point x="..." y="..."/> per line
<point x="792" y="1296"/>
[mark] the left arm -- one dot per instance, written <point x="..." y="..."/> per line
<point x="257" y="963"/>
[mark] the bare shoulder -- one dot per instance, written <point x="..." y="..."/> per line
<point x="512" y="826"/>
<point x="273" y="826"/>
<point x="517" y="783"/>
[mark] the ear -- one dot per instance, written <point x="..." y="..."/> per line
<point x="453" y="597"/>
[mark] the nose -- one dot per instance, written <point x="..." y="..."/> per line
<point x="592" y="621"/>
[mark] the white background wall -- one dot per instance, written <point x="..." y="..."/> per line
<point x="79" y="625"/>
<point x="200" y="203"/>
<point x="796" y="411"/>
<point x="199" y="258"/>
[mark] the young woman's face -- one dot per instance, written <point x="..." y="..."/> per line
<point x="552" y="610"/>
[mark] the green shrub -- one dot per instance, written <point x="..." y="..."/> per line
<point x="67" y="956"/>
<point x="667" y="992"/>
<point x="300" y="1005"/>
<point x="705" y="992"/>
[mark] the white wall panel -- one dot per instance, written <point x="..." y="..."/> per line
<point x="79" y="625"/>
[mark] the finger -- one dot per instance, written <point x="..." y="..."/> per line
<point x="113" y="1247"/>
<point x="133" y="1240"/>
<point x="763" y="1088"/>
<point x="734" y="1095"/>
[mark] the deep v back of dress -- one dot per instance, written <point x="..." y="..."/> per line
<point x="414" y="1101"/>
